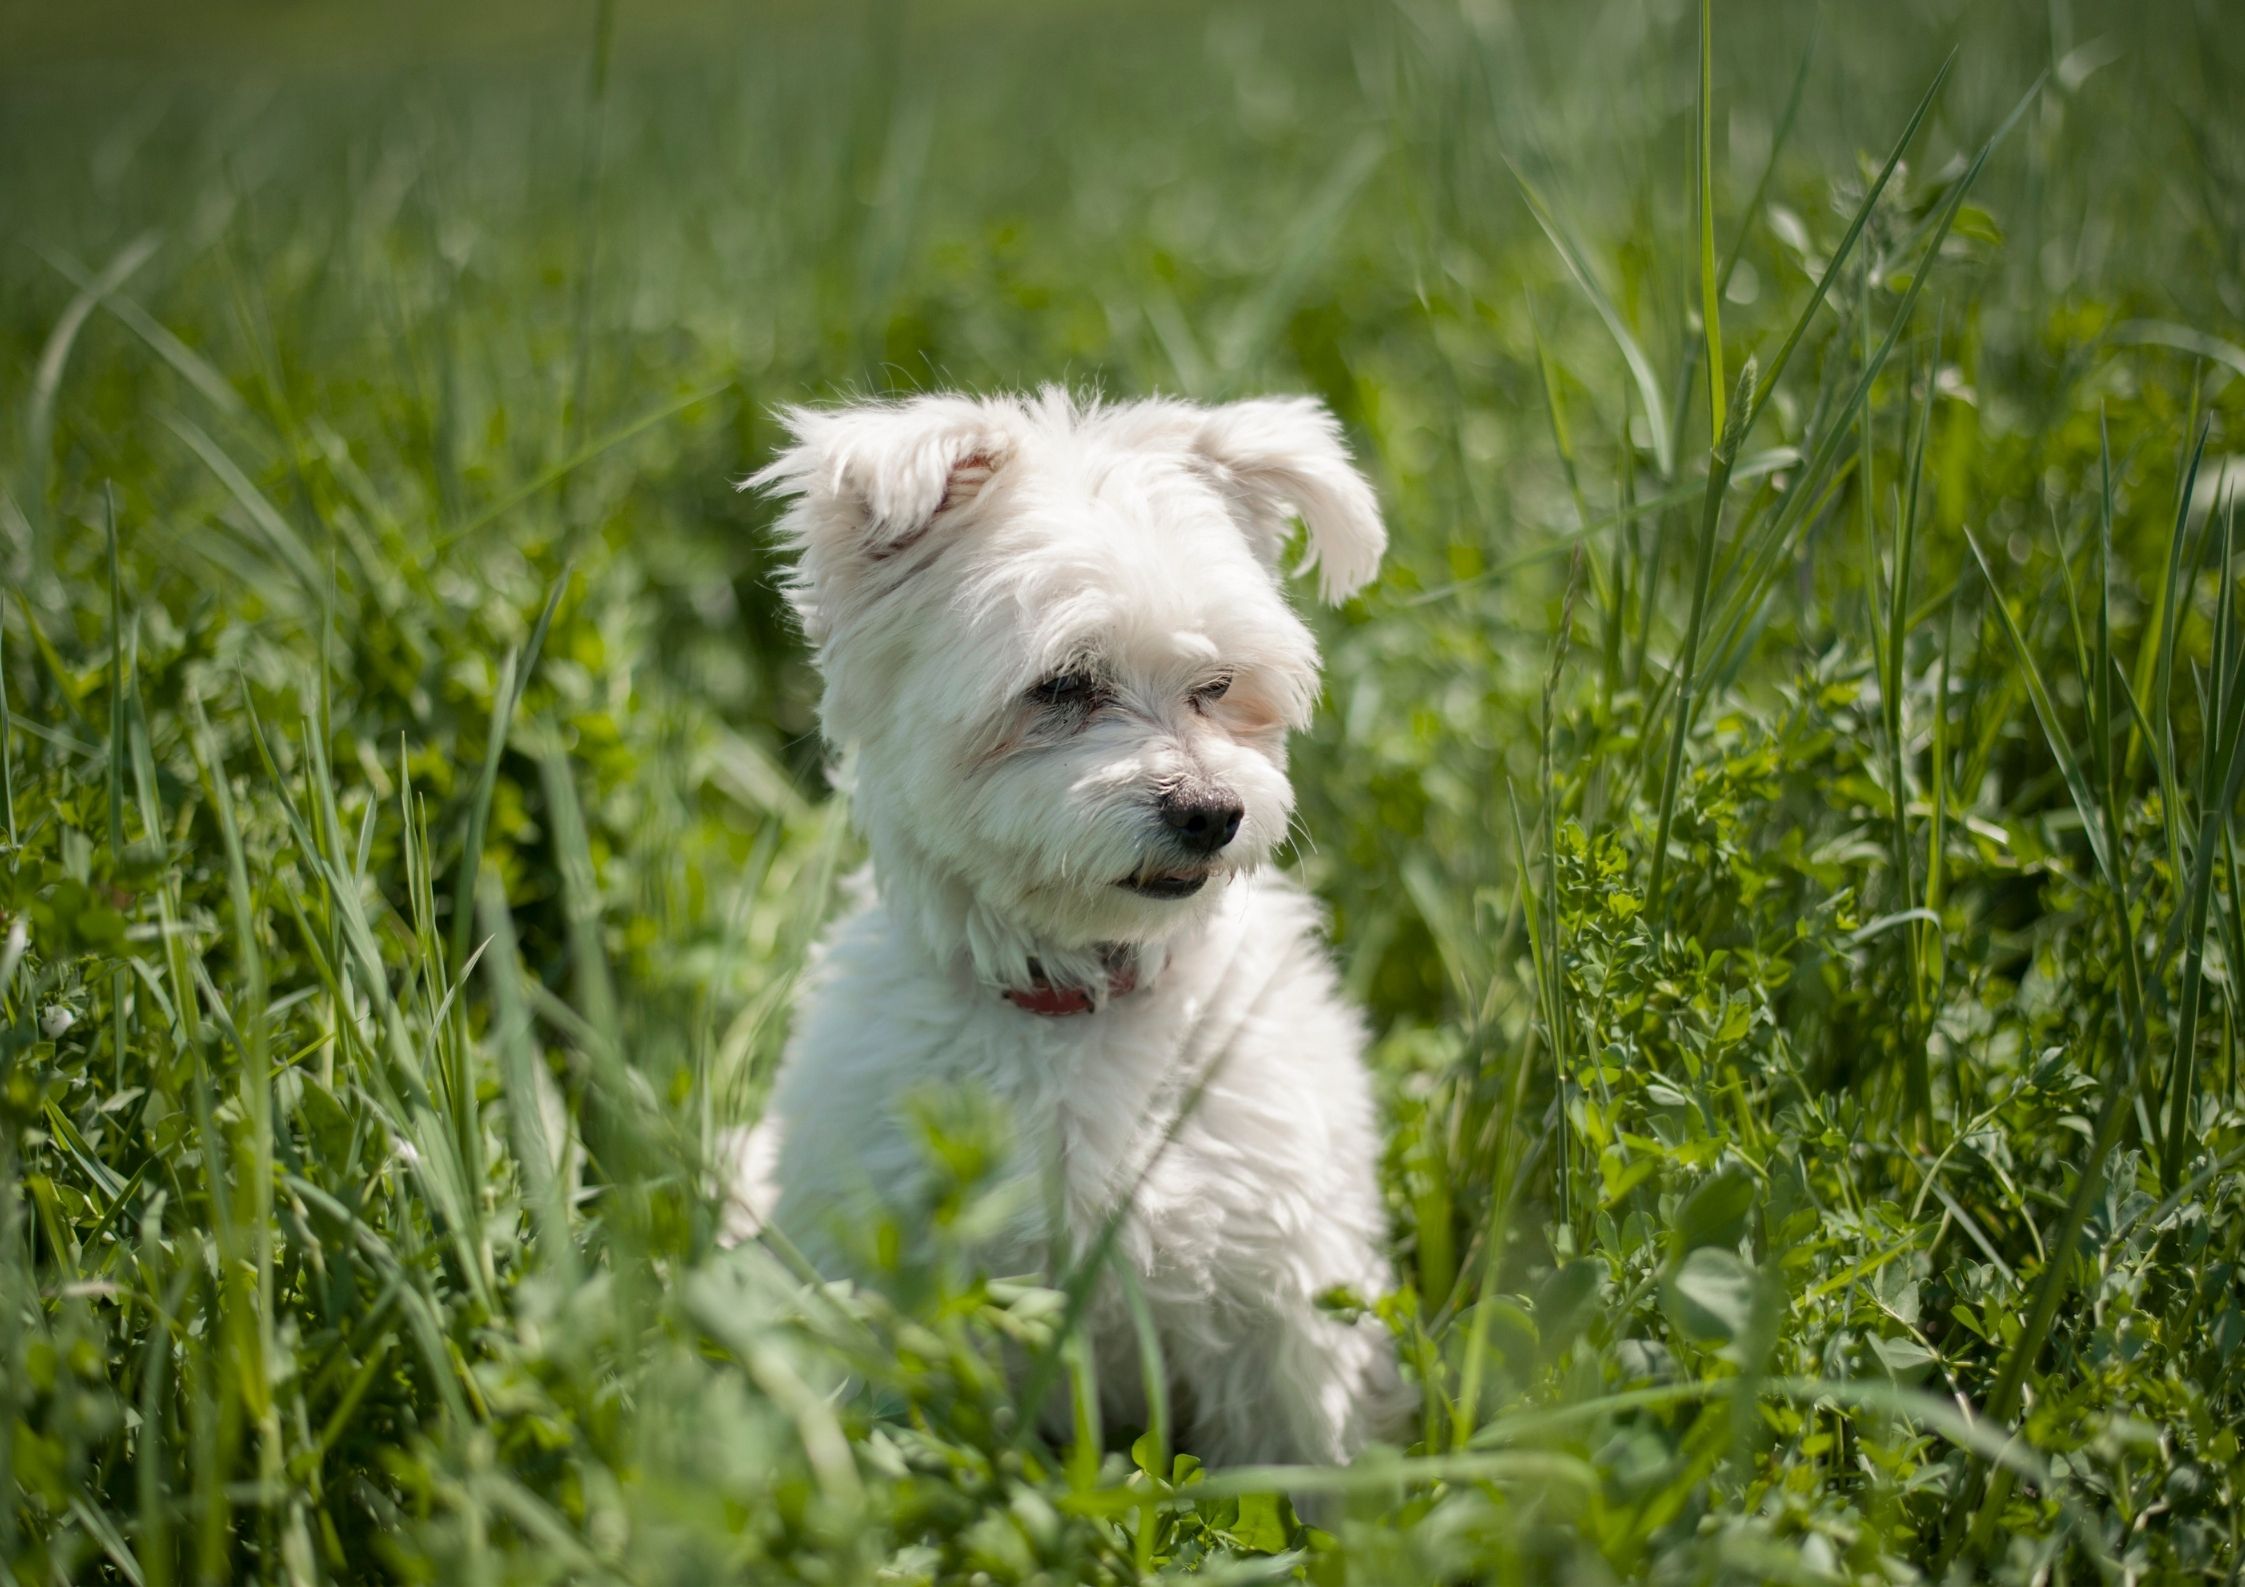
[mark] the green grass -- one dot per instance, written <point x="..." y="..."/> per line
<point x="1778" y="805"/>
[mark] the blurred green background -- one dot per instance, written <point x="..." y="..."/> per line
<point x="404" y="726"/>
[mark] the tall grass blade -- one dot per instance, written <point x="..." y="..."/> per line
<point x="1806" y="496"/>
<point x="1248" y="334"/>
<point x="2046" y="713"/>
<point x="2221" y="777"/>
<point x="1840" y="254"/>
<point x="7" y="753"/>
<point x="192" y="366"/>
<point x="536" y="1156"/>
<point x="1578" y="267"/>
<point x="1710" y="283"/>
<point x="47" y="373"/>
<point x="1687" y="667"/>
<point x="514" y="677"/>
<point x="1779" y="139"/>
<point x="588" y="227"/>
<point x="555" y="473"/>
<point x="1917" y="1077"/>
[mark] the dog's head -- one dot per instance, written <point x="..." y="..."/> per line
<point x="1054" y="640"/>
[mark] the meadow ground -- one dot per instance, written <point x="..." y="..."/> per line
<point x="1778" y="805"/>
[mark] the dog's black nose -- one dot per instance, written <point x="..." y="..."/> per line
<point x="1202" y="820"/>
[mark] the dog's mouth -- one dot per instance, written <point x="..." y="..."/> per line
<point x="1166" y="884"/>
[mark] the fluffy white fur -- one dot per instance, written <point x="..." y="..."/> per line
<point x="1035" y="616"/>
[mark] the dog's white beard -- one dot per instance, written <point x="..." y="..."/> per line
<point x="1025" y="913"/>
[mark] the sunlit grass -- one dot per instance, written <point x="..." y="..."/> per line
<point x="1777" y="806"/>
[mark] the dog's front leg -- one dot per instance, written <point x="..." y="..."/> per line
<point x="1300" y="1386"/>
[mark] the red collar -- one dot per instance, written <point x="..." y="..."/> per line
<point x="1040" y="996"/>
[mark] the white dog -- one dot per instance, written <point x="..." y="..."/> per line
<point x="1061" y="673"/>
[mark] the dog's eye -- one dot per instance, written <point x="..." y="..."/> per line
<point x="1068" y="691"/>
<point x="1213" y="689"/>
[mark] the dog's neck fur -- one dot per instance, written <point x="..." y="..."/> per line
<point x="958" y="930"/>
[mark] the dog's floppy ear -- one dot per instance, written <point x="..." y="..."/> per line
<point x="1283" y="456"/>
<point x="869" y="483"/>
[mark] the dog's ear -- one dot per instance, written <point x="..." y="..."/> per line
<point x="1284" y="456"/>
<point x="869" y="483"/>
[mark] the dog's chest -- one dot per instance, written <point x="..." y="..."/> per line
<point x="1102" y="1122"/>
<point x="1100" y="1111"/>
